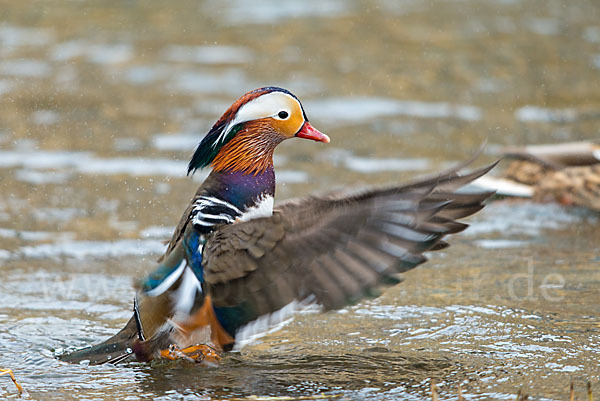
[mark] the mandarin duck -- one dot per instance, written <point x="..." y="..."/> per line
<point x="567" y="173"/>
<point x="237" y="267"/>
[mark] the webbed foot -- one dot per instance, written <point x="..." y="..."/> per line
<point x="195" y="353"/>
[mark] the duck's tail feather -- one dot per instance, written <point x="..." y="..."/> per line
<point x="116" y="349"/>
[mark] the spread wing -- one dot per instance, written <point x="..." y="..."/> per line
<point x="336" y="248"/>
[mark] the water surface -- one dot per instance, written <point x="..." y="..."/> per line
<point x="101" y="104"/>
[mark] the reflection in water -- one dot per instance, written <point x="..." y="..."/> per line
<point x="102" y="104"/>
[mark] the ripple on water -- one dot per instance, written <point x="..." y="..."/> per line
<point x="509" y="333"/>
<point x="54" y="214"/>
<point x="207" y="54"/>
<point x="234" y="12"/>
<point x="367" y="165"/>
<point x="179" y="141"/>
<point x="393" y="312"/>
<point x="541" y="114"/>
<point x="87" y="163"/>
<point x="291" y="176"/>
<point x="185" y="142"/>
<point x="27" y="235"/>
<point x="591" y="34"/>
<point x="145" y="74"/>
<point x="45" y="117"/>
<point x="97" y="53"/>
<point x="156" y="232"/>
<point x="30" y="68"/>
<point x="528" y="219"/>
<point x="39" y="159"/>
<point x="374" y="165"/>
<point x="133" y="166"/>
<point x="354" y="110"/>
<point x="127" y="144"/>
<point x="500" y="243"/>
<point x="5" y="86"/>
<point x="230" y="81"/>
<point x="596" y="61"/>
<point x="76" y="292"/>
<point x="13" y="37"/>
<point x="68" y="50"/>
<point x="63" y="291"/>
<point x="106" y="54"/>
<point x="91" y="249"/>
<point x="543" y="26"/>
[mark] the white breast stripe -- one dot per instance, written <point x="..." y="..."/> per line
<point x="209" y="211"/>
<point x="264" y="208"/>
<point x="212" y="201"/>
<point x="201" y="219"/>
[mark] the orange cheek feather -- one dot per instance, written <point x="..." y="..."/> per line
<point x="289" y="127"/>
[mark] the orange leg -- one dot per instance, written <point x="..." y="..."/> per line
<point x="204" y="317"/>
<point x="195" y="353"/>
<point x="12" y="376"/>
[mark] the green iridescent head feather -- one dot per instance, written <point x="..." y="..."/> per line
<point x="210" y="145"/>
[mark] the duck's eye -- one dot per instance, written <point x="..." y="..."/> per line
<point x="283" y="114"/>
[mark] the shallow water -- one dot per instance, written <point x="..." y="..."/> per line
<point x="101" y="104"/>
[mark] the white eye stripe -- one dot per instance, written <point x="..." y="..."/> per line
<point x="263" y="106"/>
<point x="268" y="105"/>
